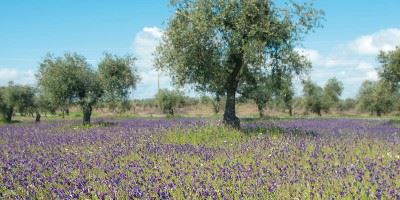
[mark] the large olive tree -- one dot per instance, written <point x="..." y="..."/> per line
<point x="215" y="45"/>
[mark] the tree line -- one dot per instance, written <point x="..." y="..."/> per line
<point x="63" y="82"/>
<point x="233" y="50"/>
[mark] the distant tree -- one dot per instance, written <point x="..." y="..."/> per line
<point x="376" y="97"/>
<point x="285" y="92"/>
<point x="260" y="91"/>
<point x="169" y="100"/>
<point x="332" y="91"/>
<point x="390" y="67"/>
<point x="318" y="99"/>
<point x="313" y="97"/>
<point x="206" y="100"/>
<point x="347" y="104"/>
<point x="218" y="45"/>
<point x="16" y="98"/>
<point x="218" y="102"/>
<point x="70" y="80"/>
<point x="118" y="77"/>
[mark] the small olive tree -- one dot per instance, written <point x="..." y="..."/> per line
<point x="313" y="98"/>
<point x="16" y="98"/>
<point x="169" y="100"/>
<point x="318" y="99"/>
<point x="332" y="91"/>
<point x="118" y="76"/>
<point x="376" y="97"/>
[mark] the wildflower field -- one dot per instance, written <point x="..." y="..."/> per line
<point x="199" y="159"/>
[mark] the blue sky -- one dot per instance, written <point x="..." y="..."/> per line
<point x="354" y="31"/>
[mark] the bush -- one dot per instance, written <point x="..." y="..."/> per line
<point x="169" y="100"/>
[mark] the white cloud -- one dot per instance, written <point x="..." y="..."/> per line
<point x="371" y="44"/>
<point x="352" y="62"/>
<point x="144" y="45"/>
<point x="18" y="76"/>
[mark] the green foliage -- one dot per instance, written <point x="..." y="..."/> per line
<point x="118" y="76"/>
<point x="169" y="100"/>
<point x="390" y="66"/>
<point x="313" y="97"/>
<point x="16" y="98"/>
<point x="332" y="91"/>
<point x="70" y="80"/>
<point x="376" y="97"/>
<point x="218" y="45"/>
<point x="260" y="91"/>
<point x="318" y="99"/>
<point x="347" y="104"/>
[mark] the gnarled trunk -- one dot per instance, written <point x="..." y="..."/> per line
<point x="87" y="112"/>
<point x="231" y="86"/>
<point x="260" y="110"/>
<point x="379" y="113"/>
<point x="230" y="118"/>
<point x="8" y="115"/>
<point x="319" y="112"/>
<point x="37" y="119"/>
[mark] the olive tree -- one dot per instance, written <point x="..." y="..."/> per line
<point x="286" y="93"/>
<point x="169" y="100"/>
<point x="70" y="80"/>
<point x="118" y="77"/>
<point x="313" y="97"/>
<point x="16" y="98"/>
<point x="216" y="45"/>
<point x="375" y="97"/>
<point x="390" y="67"/>
<point x="332" y="91"/>
<point x="260" y="91"/>
<point x="318" y="99"/>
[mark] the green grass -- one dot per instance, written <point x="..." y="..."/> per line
<point x="209" y="136"/>
<point x="218" y="135"/>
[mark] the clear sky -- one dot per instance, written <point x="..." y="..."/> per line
<point x="354" y="31"/>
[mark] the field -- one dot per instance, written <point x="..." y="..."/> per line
<point x="199" y="159"/>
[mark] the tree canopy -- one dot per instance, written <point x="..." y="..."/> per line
<point x="70" y="79"/>
<point x="169" y="100"/>
<point x="318" y="99"/>
<point x="118" y="77"/>
<point x="215" y="46"/>
<point x="16" y="98"/>
<point x="390" y="66"/>
<point x="376" y="97"/>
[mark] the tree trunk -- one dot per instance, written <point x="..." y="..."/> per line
<point x="9" y="114"/>
<point x="37" y="119"/>
<point x="290" y="111"/>
<point x="87" y="112"/>
<point x="230" y="118"/>
<point x="232" y="83"/>
<point x="216" y="104"/>
<point x="171" y="112"/>
<point x="67" y="111"/>
<point x="260" y="110"/>
<point x="379" y="113"/>
<point x="319" y="113"/>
